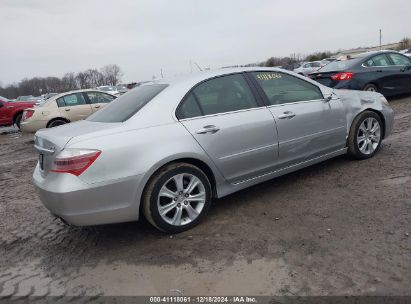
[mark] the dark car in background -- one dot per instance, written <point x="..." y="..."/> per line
<point x="386" y="72"/>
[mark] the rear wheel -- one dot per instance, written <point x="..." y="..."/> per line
<point x="370" y="88"/>
<point x="365" y="135"/>
<point x="55" y="123"/>
<point x="177" y="198"/>
<point x="17" y="119"/>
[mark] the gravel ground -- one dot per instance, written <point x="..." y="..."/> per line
<point x="338" y="228"/>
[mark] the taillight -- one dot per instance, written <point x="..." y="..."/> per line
<point x="27" y="114"/>
<point x="342" y="76"/>
<point x="74" y="161"/>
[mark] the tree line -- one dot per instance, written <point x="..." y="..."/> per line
<point x="108" y="75"/>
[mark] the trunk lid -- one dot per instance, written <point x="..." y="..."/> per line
<point x="49" y="142"/>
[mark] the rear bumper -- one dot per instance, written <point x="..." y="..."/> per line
<point x="82" y="204"/>
<point x="32" y="126"/>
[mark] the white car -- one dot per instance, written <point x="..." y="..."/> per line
<point x="109" y="89"/>
<point x="308" y="67"/>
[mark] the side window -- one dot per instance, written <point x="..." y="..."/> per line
<point x="73" y="100"/>
<point x="98" y="97"/>
<point x="224" y="94"/>
<point x="189" y="108"/>
<point x="307" y="65"/>
<point x="60" y="102"/>
<point x="399" y="59"/>
<point x="282" y="88"/>
<point x="378" y="61"/>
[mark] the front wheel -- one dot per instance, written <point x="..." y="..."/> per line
<point x="365" y="135"/>
<point x="177" y="198"/>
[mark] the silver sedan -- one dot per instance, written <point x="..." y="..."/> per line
<point x="167" y="148"/>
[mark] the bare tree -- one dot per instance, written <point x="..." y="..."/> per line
<point x="111" y="74"/>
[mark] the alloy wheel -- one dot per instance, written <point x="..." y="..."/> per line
<point x="181" y="199"/>
<point x="369" y="135"/>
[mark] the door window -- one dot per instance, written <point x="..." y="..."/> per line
<point x="219" y="95"/>
<point x="71" y="100"/>
<point x="378" y="61"/>
<point x="399" y="59"/>
<point x="282" y="88"/>
<point x="98" y="97"/>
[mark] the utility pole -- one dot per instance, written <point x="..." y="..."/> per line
<point x="161" y="71"/>
<point x="380" y="39"/>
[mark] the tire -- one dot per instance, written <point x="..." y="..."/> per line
<point x="56" y="122"/>
<point x="183" y="212"/>
<point x="371" y="88"/>
<point x="365" y="136"/>
<point x="17" y="120"/>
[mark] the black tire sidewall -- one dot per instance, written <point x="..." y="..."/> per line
<point x="155" y="215"/>
<point x="360" y="120"/>
<point x="370" y="85"/>
<point x="17" y="121"/>
<point x="52" y="124"/>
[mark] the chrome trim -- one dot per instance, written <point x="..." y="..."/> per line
<point x="220" y="114"/>
<point x="44" y="150"/>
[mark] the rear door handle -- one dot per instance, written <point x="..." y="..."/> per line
<point x="286" y="115"/>
<point x="208" y="129"/>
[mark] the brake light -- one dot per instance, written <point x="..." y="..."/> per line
<point x="74" y="161"/>
<point x="27" y="114"/>
<point x="342" y="76"/>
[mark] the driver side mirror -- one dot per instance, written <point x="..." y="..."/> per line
<point x="406" y="68"/>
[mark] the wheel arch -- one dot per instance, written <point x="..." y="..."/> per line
<point x="57" y="118"/>
<point x="203" y="166"/>
<point x="376" y="112"/>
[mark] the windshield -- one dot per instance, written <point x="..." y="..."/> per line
<point x="340" y="65"/>
<point x="128" y="104"/>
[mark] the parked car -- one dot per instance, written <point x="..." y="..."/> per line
<point x="167" y="148"/>
<point x="406" y="52"/>
<point x="109" y="89"/>
<point x="308" y="67"/>
<point x="11" y="112"/>
<point x="327" y="61"/>
<point x="64" y="108"/>
<point x="49" y="95"/>
<point x="122" y="88"/>
<point x="387" y="72"/>
<point x="24" y="98"/>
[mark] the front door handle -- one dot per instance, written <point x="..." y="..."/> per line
<point x="286" y="115"/>
<point x="208" y="129"/>
<point x="67" y="110"/>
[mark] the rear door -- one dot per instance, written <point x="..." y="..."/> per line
<point x="308" y="125"/>
<point x="98" y="100"/>
<point x="74" y="106"/>
<point x="232" y="126"/>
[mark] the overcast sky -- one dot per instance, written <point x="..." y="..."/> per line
<point x="52" y="37"/>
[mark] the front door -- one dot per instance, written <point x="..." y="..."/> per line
<point x="308" y="125"/>
<point x="234" y="129"/>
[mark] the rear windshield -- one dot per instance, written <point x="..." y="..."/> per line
<point x="340" y="65"/>
<point x="128" y="104"/>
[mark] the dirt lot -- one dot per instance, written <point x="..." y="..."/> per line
<point x="339" y="228"/>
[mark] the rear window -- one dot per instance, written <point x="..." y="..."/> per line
<point x="128" y="104"/>
<point x="340" y="65"/>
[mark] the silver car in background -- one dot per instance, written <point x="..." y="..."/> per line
<point x="167" y="148"/>
<point x="308" y="67"/>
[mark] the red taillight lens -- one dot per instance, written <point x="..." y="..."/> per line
<point x="27" y="114"/>
<point x="342" y="76"/>
<point x="74" y="161"/>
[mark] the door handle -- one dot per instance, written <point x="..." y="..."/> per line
<point x="208" y="129"/>
<point x="96" y="107"/>
<point x="286" y="115"/>
<point x="67" y="110"/>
